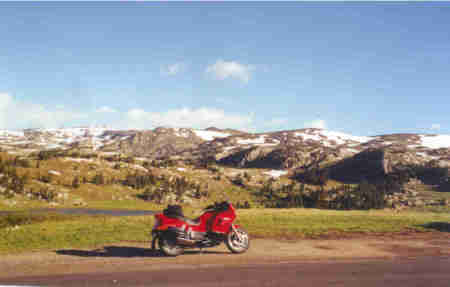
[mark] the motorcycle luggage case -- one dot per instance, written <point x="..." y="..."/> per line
<point x="173" y="211"/>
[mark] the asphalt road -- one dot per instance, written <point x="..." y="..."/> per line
<point x="425" y="271"/>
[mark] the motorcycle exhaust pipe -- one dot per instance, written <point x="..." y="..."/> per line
<point x="183" y="241"/>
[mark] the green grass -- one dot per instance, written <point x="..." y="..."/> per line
<point x="430" y="194"/>
<point x="310" y="223"/>
<point x="27" y="218"/>
<point x="52" y="232"/>
<point x="434" y="209"/>
<point x="72" y="232"/>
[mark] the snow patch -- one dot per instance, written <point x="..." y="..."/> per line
<point x="314" y="137"/>
<point x="228" y="148"/>
<point x="414" y="146"/>
<point x="52" y="146"/>
<point x="351" y="150"/>
<point x="258" y="140"/>
<point x="182" y="132"/>
<point x="338" y="137"/>
<point x="209" y="135"/>
<point x="435" y="142"/>
<point x="6" y="133"/>
<point x="96" y="144"/>
<point x="54" y="172"/>
<point x="276" y="173"/>
<point x="342" y="137"/>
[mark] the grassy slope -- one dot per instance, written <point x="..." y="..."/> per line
<point x="56" y="232"/>
<point x="118" y="196"/>
<point x="110" y="195"/>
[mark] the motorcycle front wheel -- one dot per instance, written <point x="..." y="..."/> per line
<point x="169" y="247"/>
<point x="237" y="241"/>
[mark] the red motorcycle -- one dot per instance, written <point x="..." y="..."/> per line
<point x="174" y="232"/>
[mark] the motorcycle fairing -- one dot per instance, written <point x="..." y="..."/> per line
<point x="213" y="221"/>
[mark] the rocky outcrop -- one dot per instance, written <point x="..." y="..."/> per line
<point x="159" y="143"/>
<point x="262" y="157"/>
<point x="371" y="165"/>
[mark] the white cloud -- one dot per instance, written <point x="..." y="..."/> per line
<point x="222" y="70"/>
<point x="16" y="114"/>
<point x="187" y="117"/>
<point x="105" y="109"/>
<point x="318" y="124"/>
<point x="436" y="126"/>
<point x="172" y="69"/>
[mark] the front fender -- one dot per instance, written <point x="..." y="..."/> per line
<point x="233" y="226"/>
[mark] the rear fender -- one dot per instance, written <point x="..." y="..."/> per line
<point x="167" y="230"/>
<point x="162" y="227"/>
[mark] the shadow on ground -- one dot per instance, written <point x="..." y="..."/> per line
<point x="439" y="226"/>
<point x="126" y="252"/>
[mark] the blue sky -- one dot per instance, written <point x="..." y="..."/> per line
<point x="364" y="69"/>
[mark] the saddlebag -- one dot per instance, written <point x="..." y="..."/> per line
<point x="173" y="211"/>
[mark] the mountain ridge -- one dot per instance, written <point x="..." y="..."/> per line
<point x="283" y="149"/>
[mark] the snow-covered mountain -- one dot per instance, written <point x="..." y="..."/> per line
<point x="53" y="138"/>
<point x="94" y="138"/>
<point x="281" y="149"/>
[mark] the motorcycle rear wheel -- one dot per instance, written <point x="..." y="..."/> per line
<point x="235" y="244"/>
<point x="169" y="247"/>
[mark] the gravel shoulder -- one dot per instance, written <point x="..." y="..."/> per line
<point x="137" y="256"/>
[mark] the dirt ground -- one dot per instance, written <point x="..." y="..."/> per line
<point x="137" y="256"/>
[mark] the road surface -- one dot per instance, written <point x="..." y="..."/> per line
<point x="427" y="271"/>
<point x="414" y="260"/>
